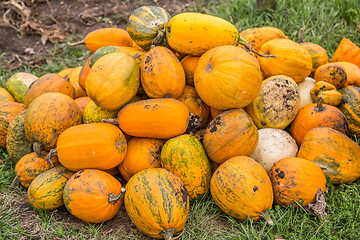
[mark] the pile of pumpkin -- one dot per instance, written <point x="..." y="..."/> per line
<point x="180" y="107"/>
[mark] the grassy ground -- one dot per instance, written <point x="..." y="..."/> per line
<point x="326" y="22"/>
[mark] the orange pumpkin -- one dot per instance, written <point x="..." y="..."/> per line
<point x="295" y="178"/>
<point x="93" y="195"/>
<point x="63" y="73"/>
<point x="227" y="77"/>
<point x="334" y="152"/>
<point x="230" y="134"/>
<point x="189" y="64"/>
<point x="317" y="115"/>
<point x="332" y="73"/>
<point x="82" y="102"/>
<point x="352" y="73"/>
<point x="142" y="153"/>
<point x="317" y="53"/>
<point x="95" y="145"/>
<point x="162" y="74"/>
<point x="347" y="51"/>
<point x="84" y="72"/>
<point x="5" y="95"/>
<point x="154" y="118"/>
<point x="73" y="78"/>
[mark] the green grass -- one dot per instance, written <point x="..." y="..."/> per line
<point x="326" y="22"/>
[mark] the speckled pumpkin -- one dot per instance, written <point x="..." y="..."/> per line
<point x="230" y="134"/>
<point x="8" y="111"/>
<point x="352" y="73"/>
<point x="95" y="145"/>
<point x="186" y="158"/>
<point x="351" y="108"/>
<point x="48" y="116"/>
<point x="332" y="73"/>
<point x="347" y="51"/>
<point x="142" y="153"/>
<point x="5" y="95"/>
<point x="290" y="59"/>
<point x="93" y="195"/>
<point x="242" y="188"/>
<point x="113" y="80"/>
<point x="18" y="84"/>
<point x="46" y="190"/>
<point x="17" y="145"/>
<point x="93" y="113"/>
<point x="227" y="77"/>
<point x="162" y="74"/>
<point x="82" y="102"/>
<point x="157" y="202"/>
<point x="334" y="152"/>
<point x="189" y="64"/>
<point x="296" y="178"/>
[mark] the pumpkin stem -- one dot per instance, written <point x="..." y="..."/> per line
<point x="159" y="39"/>
<point x="113" y="121"/>
<point x="136" y="56"/>
<point x="301" y="35"/>
<point x="51" y="154"/>
<point x="15" y="181"/>
<point x="113" y="198"/>
<point x="38" y="147"/>
<point x="167" y="233"/>
<point x="266" y="216"/>
<point x="242" y="41"/>
<point x="77" y="43"/>
<point x="319" y="104"/>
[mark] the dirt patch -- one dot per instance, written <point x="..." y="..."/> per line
<point x="30" y="28"/>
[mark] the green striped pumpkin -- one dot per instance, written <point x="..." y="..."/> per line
<point x="18" y="84"/>
<point x="350" y="106"/>
<point x="94" y="114"/>
<point x="186" y="158"/>
<point x="146" y="26"/>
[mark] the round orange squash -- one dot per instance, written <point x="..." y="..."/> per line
<point x="317" y="53"/>
<point x="95" y="145"/>
<point x="189" y="64"/>
<point x="290" y="59"/>
<point x="227" y="77"/>
<point x="162" y="74"/>
<point x="93" y="195"/>
<point x="334" y="152"/>
<point x="154" y="118"/>
<point x="296" y="178"/>
<point x="142" y="153"/>
<point x="5" y="95"/>
<point x="157" y="185"/>
<point x="242" y="188"/>
<point x="333" y="73"/>
<point x="347" y="51"/>
<point x="230" y="134"/>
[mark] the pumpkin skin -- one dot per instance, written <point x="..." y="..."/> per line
<point x="347" y="51"/>
<point x="189" y="64"/>
<point x="95" y="145"/>
<point x="84" y="72"/>
<point x="352" y="73"/>
<point x="334" y="152"/>
<point x="227" y="77"/>
<point x="258" y="36"/>
<point x="48" y="116"/>
<point x="327" y="92"/>
<point x="5" y="95"/>
<point x="113" y="80"/>
<point x="186" y="158"/>
<point x="30" y="166"/>
<point x="82" y="102"/>
<point x="46" y="190"/>
<point x="50" y="82"/>
<point x="290" y="59"/>
<point x="63" y="73"/>
<point x="242" y="188"/>
<point x="277" y="104"/>
<point x="8" y="111"/>
<point x="73" y="78"/>
<point x="145" y="118"/>
<point x="17" y="145"/>
<point x="90" y="195"/>
<point x="317" y="53"/>
<point x="230" y="134"/>
<point x="107" y="37"/>
<point x="142" y="153"/>
<point x="304" y="91"/>
<point x="18" y="84"/>
<point x="295" y="178"/>
<point x="350" y="108"/>
<point x="332" y="73"/>
<point x="110" y="49"/>
<point x="146" y="26"/>
<point x="93" y="113"/>
<point x="162" y="74"/>
<point x="317" y="115"/>
<point x="160" y="186"/>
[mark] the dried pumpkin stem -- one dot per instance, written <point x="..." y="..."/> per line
<point x="266" y="216"/>
<point x="159" y="39"/>
<point x="113" y="121"/>
<point x="136" y="56"/>
<point x="319" y="104"/>
<point x="113" y="198"/>
<point x="301" y="35"/>
<point x="242" y="41"/>
<point x="38" y="147"/>
<point x="77" y="43"/>
<point x="167" y="233"/>
<point x="51" y="154"/>
<point x="15" y="181"/>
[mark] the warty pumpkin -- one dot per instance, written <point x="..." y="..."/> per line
<point x="230" y="134"/>
<point x="18" y="84"/>
<point x="333" y="73"/>
<point x="334" y="152"/>
<point x="347" y="51"/>
<point x="154" y="118"/>
<point x="186" y="158"/>
<point x="227" y="77"/>
<point x="157" y="185"/>
<point x="162" y="74"/>
<point x="296" y="178"/>
<point x="242" y="188"/>
<point x="46" y="190"/>
<point x="5" y="95"/>
<point x="350" y="107"/>
<point x="146" y="26"/>
<point x="93" y="195"/>
<point x="113" y="80"/>
<point x="142" y="153"/>
<point x="189" y="64"/>
<point x="95" y="145"/>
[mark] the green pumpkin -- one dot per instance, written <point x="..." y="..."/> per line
<point x="350" y="107"/>
<point x="110" y="49"/>
<point x="18" y="84"/>
<point x="94" y="114"/>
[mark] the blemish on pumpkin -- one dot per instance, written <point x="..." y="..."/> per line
<point x="209" y="68"/>
<point x="281" y="174"/>
<point x="148" y="59"/>
<point x="255" y="188"/>
<point x="147" y="106"/>
<point x="213" y="124"/>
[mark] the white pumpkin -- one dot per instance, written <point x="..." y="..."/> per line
<point x="304" y="91"/>
<point x="274" y="144"/>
